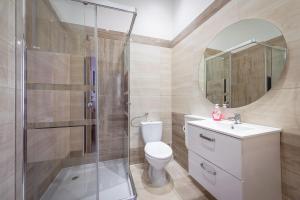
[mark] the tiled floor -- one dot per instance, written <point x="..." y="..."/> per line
<point x="181" y="187"/>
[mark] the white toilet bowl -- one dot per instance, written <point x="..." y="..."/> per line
<point x="158" y="155"/>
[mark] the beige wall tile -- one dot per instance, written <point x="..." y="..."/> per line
<point x="76" y="69"/>
<point x="7" y="99"/>
<point x="150" y="88"/>
<point x="47" y="144"/>
<point x="47" y="67"/>
<point x="7" y="160"/>
<point x="76" y="139"/>
<point x="48" y="106"/>
<point x="76" y="105"/>
<point x="7" y="105"/>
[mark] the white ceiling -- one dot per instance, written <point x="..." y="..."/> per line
<point x="162" y="19"/>
<point x="185" y="11"/>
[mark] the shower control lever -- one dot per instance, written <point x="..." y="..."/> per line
<point x="90" y="104"/>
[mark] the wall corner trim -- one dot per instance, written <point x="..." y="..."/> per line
<point x="213" y="8"/>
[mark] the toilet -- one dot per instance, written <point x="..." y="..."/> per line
<point x="157" y="153"/>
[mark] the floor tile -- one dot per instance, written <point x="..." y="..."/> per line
<point x="180" y="187"/>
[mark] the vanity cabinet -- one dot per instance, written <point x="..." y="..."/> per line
<point x="235" y="168"/>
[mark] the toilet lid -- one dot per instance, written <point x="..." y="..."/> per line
<point x="158" y="150"/>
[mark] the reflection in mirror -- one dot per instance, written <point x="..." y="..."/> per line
<point x="243" y="62"/>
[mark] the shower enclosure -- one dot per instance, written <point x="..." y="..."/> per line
<point x="76" y="99"/>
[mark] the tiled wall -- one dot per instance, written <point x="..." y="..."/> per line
<point x="150" y="91"/>
<point x="45" y="31"/>
<point x="7" y="99"/>
<point x="180" y="151"/>
<point x="48" y="63"/>
<point x="46" y="148"/>
<point x="278" y="108"/>
<point x="77" y="102"/>
<point x="113" y="137"/>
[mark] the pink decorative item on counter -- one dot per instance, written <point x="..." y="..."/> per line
<point x="217" y="113"/>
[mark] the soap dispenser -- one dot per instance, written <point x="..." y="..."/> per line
<point x="224" y="111"/>
<point x="217" y="113"/>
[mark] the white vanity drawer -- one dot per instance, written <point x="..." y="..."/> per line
<point x="219" y="183"/>
<point x="222" y="150"/>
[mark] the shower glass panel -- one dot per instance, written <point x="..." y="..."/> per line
<point x="61" y="141"/>
<point x="113" y="78"/>
<point x="77" y="94"/>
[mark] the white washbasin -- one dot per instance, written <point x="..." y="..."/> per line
<point x="235" y="130"/>
<point x="232" y="126"/>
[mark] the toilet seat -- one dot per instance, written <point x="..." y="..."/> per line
<point x="158" y="150"/>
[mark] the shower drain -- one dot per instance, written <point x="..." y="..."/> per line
<point x="74" y="178"/>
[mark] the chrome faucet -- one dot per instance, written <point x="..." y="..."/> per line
<point x="236" y="118"/>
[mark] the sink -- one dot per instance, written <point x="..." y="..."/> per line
<point x="235" y="130"/>
<point x="232" y="126"/>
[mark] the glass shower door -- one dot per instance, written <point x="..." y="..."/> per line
<point x="61" y="145"/>
<point x="114" y="178"/>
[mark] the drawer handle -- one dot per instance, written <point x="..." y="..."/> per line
<point x="208" y="171"/>
<point x="207" y="138"/>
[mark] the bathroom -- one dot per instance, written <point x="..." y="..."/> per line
<point x="139" y="99"/>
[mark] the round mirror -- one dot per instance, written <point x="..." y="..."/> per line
<point x="242" y="63"/>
